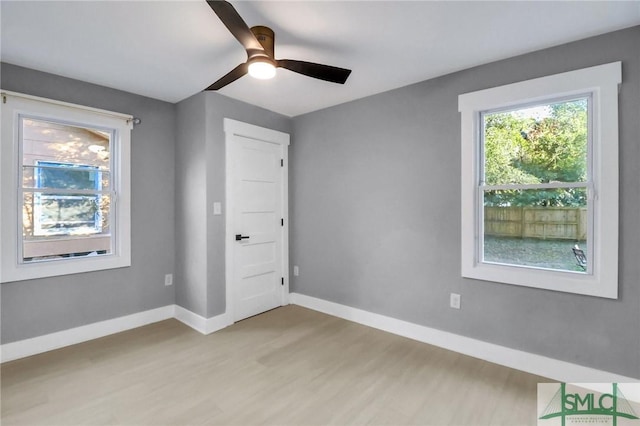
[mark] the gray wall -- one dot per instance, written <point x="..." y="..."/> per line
<point x="36" y="307"/>
<point x="376" y="215"/>
<point x="191" y="203"/>
<point x="200" y="180"/>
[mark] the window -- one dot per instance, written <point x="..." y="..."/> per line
<point x="540" y="182"/>
<point x="533" y="184"/>
<point x="65" y="188"/>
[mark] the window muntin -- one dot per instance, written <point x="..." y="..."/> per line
<point x="533" y="185"/>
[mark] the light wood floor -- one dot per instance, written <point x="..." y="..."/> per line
<point x="290" y="366"/>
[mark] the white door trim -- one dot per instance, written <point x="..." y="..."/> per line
<point x="234" y="127"/>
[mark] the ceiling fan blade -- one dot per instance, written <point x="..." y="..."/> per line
<point x="322" y="72"/>
<point x="230" y="77"/>
<point x="236" y="25"/>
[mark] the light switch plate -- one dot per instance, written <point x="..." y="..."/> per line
<point x="454" y="300"/>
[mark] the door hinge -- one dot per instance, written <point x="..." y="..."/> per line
<point x="282" y="281"/>
<point x="282" y="162"/>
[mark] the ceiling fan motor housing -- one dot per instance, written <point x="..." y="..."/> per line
<point x="266" y="37"/>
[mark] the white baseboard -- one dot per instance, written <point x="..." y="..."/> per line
<point x="202" y="324"/>
<point x="48" y="342"/>
<point x="60" y="339"/>
<point x="561" y="371"/>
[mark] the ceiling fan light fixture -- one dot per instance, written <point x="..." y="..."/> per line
<point x="262" y="69"/>
<point x="258" y="42"/>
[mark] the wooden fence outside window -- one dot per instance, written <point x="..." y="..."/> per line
<point x="548" y="223"/>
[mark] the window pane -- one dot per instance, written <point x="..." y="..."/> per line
<point x="66" y="225"/>
<point x="65" y="173"/>
<point x="44" y="142"/>
<point x="536" y="227"/>
<point x="67" y="214"/>
<point x="540" y="144"/>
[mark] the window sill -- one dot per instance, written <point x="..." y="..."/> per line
<point x="547" y="279"/>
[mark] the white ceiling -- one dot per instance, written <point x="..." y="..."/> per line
<point x="171" y="50"/>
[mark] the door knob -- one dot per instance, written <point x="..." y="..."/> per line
<point x="241" y="237"/>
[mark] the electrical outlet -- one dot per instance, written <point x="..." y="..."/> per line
<point x="168" y="279"/>
<point x="454" y="300"/>
<point x="296" y="271"/>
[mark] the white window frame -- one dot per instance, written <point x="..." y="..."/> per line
<point x="13" y="106"/>
<point x="601" y="83"/>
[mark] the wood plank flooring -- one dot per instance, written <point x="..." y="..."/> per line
<point x="289" y="366"/>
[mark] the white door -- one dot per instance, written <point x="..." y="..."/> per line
<point x="257" y="250"/>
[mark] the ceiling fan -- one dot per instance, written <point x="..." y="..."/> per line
<point x="259" y="43"/>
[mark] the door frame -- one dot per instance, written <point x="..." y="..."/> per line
<point x="238" y="128"/>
